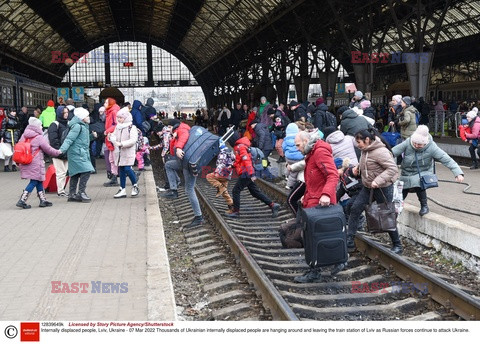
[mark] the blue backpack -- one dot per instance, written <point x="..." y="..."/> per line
<point x="257" y="157"/>
<point x="417" y="116"/>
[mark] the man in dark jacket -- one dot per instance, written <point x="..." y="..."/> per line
<point x="236" y="116"/>
<point x="424" y="110"/>
<point x="137" y="116"/>
<point x="319" y="118"/>
<point x="148" y="111"/>
<point x="300" y="111"/>
<point x="55" y="132"/>
<point x="263" y="140"/>
<point x="352" y="123"/>
<point x="23" y="119"/>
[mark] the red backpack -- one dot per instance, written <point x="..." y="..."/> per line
<point x="23" y="152"/>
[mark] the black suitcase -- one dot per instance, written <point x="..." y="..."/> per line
<point x="201" y="147"/>
<point x="324" y="235"/>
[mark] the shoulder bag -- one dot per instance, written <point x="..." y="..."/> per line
<point x="429" y="180"/>
<point x="381" y="217"/>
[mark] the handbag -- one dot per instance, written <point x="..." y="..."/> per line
<point x="429" y="180"/>
<point x="381" y="217"/>
<point x="5" y="151"/>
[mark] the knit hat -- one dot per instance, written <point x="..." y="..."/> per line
<point x="81" y="113"/>
<point x="263" y="98"/>
<point x="35" y="122"/>
<point x="420" y="135"/>
<point x="341" y="110"/>
<point x="293" y="103"/>
<point x="328" y="130"/>
<point x="319" y="101"/>
<point x="159" y="127"/>
<point x="475" y="109"/>
<point x="101" y="109"/>
<point x="125" y="114"/>
<point x="464" y="121"/>
<point x="471" y="114"/>
<point x="358" y="94"/>
<point x="271" y="111"/>
<point x="174" y="123"/>
<point x="338" y="162"/>
<point x="50" y="103"/>
<point x="365" y="104"/>
<point x="397" y="97"/>
<point x="407" y="100"/>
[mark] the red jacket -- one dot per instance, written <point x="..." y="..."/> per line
<point x="251" y="116"/>
<point x="110" y="123"/>
<point x="243" y="158"/>
<point x="321" y="175"/>
<point x="183" y="133"/>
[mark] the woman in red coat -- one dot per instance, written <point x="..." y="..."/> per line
<point x="111" y="109"/>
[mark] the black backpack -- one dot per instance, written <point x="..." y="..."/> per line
<point x="330" y="119"/>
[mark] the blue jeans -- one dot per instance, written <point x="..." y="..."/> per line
<point x="171" y="167"/>
<point x="123" y="171"/>
<point x="34" y="184"/>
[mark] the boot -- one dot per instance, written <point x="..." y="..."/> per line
<point x="397" y="247"/>
<point x="171" y="194"/>
<point x="6" y="169"/>
<point x="281" y="159"/>
<point x="337" y="268"/>
<point x="14" y="168"/>
<point x="122" y="193"/>
<point x="312" y="275"/>
<point x="84" y="198"/>
<point x="422" y="197"/>
<point x="113" y="182"/>
<point x="473" y="167"/>
<point x="275" y="208"/>
<point x="197" y="221"/>
<point x="43" y="200"/>
<point x="22" y="202"/>
<point x="350" y="243"/>
<point x="135" y="190"/>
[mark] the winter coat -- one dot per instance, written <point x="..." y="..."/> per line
<point x="279" y="130"/>
<point x="225" y="161"/>
<point x="377" y="164"/>
<point x="110" y="123"/>
<point x="55" y="132"/>
<point x="426" y="157"/>
<point x="321" y="175"/>
<point x="126" y="134"/>
<point x="318" y="119"/>
<point x="264" y="116"/>
<point x="243" y="159"/>
<point x="352" y="123"/>
<point x="300" y="111"/>
<point x="369" y="112"/>
<point x="48" y="116"/>
<point x="9" y="124"/>
<point x="148" y="111"/>
<point x="263" y="138"/>
<point x="137" y="115"/>
<point x="236" y="117"/>
<point x="475" y="125"/>
<point x="288" y="145"/>
<point x="94" y="115"/>
<point x="36" y="169"/>
<point x="342" y="146"/>
<point x="300" y="168"/>
<point x="77" y="145"/>
<point x="183" y="133"/>
<point x="407" y="122"/>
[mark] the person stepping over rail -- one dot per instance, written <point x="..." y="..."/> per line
<point x="246" y="178"/>
<point x="223" y="173"/>
<point x="35" y="171"/>
<point x="124" y="138"/>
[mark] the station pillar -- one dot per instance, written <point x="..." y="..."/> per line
<point x="419" y="74"/>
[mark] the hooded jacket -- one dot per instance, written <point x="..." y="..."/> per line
<point x="183" y="133"/>
<point x="36" y="169"/>
<point x="76" y="145"/>
<point x="243" y="159"/>
<point x="126" y="134"/>
<point x="263" y="138"/>
<point x="301" y="111"/>
<point x="352" y="123"/>
<point x="377" y="164"/>
<point x="407" y="121"/>
<point x="426" y="157"/>
<point x="342" y="146"/>
<point x="319" y="116"/>
<point x="288" y="145"/>
<point x="148" y="111"/>
<point x="48" y="116"/>
<point x="321" y="175"/>
<point x="137" y="117"/>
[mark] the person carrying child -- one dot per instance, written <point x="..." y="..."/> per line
<point x="223" y="173"/>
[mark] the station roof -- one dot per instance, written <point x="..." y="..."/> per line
<point x="203" y="33"/>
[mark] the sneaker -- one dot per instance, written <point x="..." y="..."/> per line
<point x="135" y="190"/>
<point x="350" y="243"/>
<point x="397" y="249"/>
<point x="312" y="275"/>
<point x="337" y="268"/>
<point x="166" y="187"/>
<point x="84" y="198"/>
<point x="122" y="193"/>
<point x="473" y="167"/>
<point x="197" y="221"/>
<point x="232" y="213"/>
<point x="62" y="194"/>
<point x="74" y="198"/>
<point x="6" y="169"/>
<point x="275" y="209"/>
<point x="171" y="194"/>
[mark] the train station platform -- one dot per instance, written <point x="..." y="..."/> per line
<point x="105" y="241"/>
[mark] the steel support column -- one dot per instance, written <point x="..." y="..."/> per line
<point x="302" y="82"/>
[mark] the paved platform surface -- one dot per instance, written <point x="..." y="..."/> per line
<point x="107" y="240"/>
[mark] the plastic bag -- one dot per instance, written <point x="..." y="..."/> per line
<point x="5" y="151"/>
<point x="398" y="196"/>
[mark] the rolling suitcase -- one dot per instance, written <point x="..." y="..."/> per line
<point x="201" y="147"/>
<point x="324" y="235"/>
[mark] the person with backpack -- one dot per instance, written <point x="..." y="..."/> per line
<point x="34" y="144"/>
<point x="57" y="132"/>
<point x="223" y="173"/>
<point x="246" y="178"/>
<point x="124" y="138"/>
<point x="76" y="145"/>
<point x="322" y="118"/>
<point x="407" y="118"/>
<point x="292" y="154"/>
